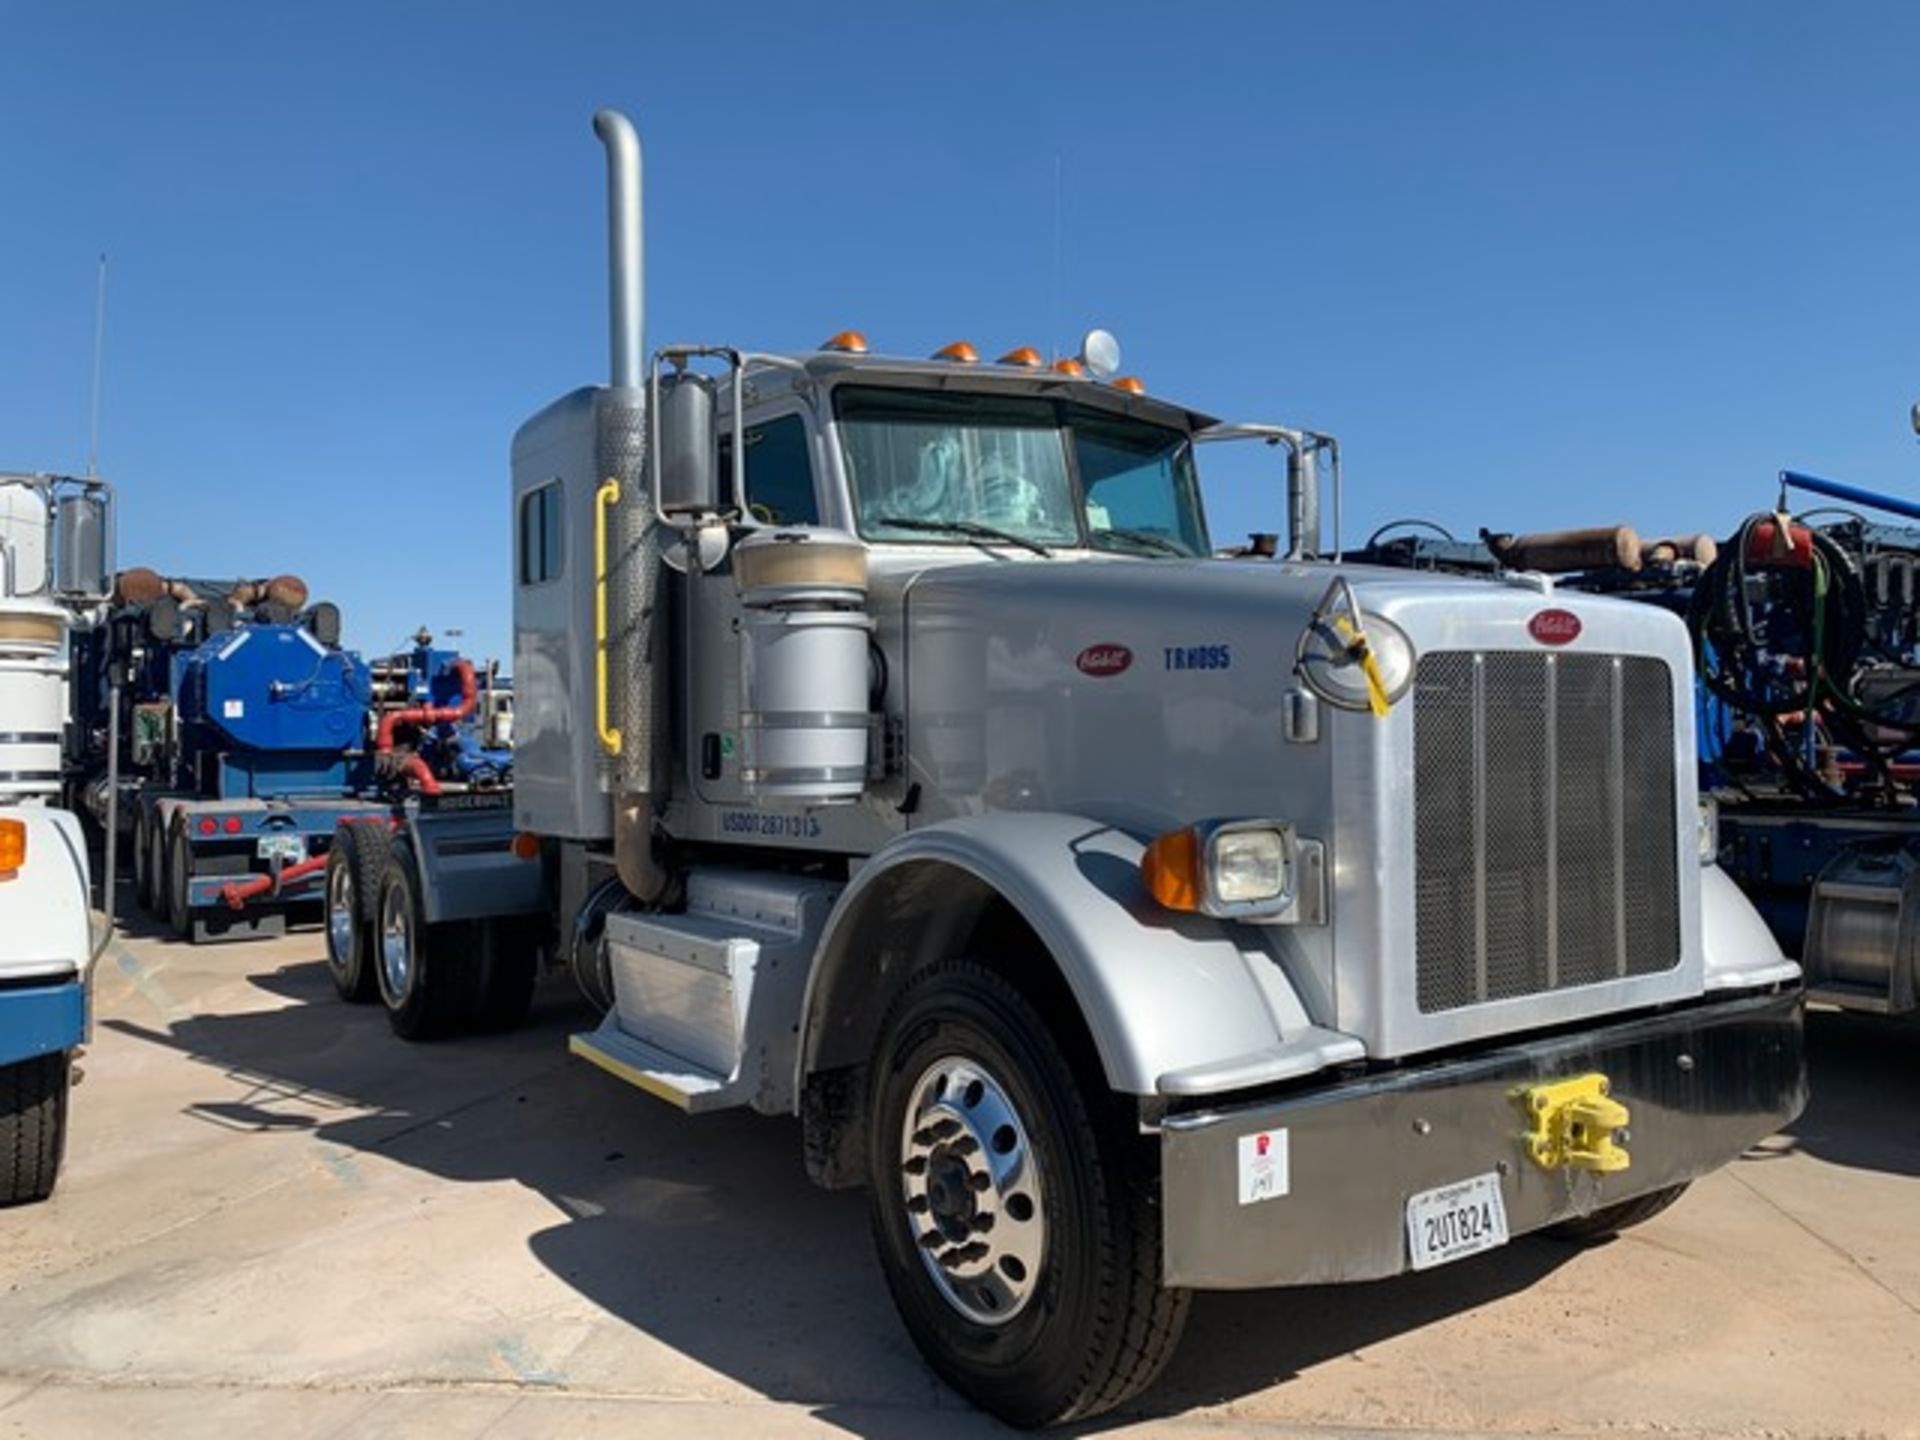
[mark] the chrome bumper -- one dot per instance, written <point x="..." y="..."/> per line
<point x="1700" y="1085"/>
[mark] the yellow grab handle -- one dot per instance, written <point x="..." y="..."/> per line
<point x="608" y="494"/>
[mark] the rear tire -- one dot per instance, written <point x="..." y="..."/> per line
<point x="509" y="969"/>
<point x="179" y="873"/>
<point x="1013" y="1205"/>
<point x="142" y="864"/>
<point x="156" y="869"/>
<point x="355" y="865"/>
<point x="33" y="1126"/>
<point x="1608" y="1221"/>
<point x="429" y="975"/>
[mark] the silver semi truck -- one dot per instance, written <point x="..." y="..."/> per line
<point x="893" y="751"/>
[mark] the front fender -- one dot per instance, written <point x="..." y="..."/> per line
<point x="1741" y="953"/>
<point x="1163" y="995"/>
<point x="46" y="908"/>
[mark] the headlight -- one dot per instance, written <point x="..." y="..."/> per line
<point x="1227" y="868"/>
<point x="1708" y="834"/>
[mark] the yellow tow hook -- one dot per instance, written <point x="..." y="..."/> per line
<point x="1575" y="1125"/>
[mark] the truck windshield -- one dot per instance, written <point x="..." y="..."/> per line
<point x="1036" y="471"/>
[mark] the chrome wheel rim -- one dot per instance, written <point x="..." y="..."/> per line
<point x="340" y="908"/>
<point x="972" y="1187"/>
<point x="396" y="944"/>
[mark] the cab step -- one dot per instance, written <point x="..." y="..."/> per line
<point x="666" y="1076"/>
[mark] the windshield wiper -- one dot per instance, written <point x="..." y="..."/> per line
<point x="972" y="529"/>
<point x="1151" y="541"/>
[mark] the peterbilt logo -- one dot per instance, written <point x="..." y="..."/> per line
<point x="1554" y="627"/>
<point x="1102" y="660"/>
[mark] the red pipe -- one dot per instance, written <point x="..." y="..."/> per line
<point x="421" y="775"/>
<point x="432" y="714"/>
<point x="237" y="894"/>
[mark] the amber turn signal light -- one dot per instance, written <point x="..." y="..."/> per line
<point x="13" y="848"/>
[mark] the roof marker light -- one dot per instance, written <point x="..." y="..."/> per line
<point x="1026" y="357"/>
<point x="1132" y="384"/>
<point x="847" y="342"/>
<point x="960" y="352"/>
<point x="1070" y="366"/>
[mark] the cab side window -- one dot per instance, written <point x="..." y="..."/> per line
<point x="540" y="552"/>
<point x="779" y="472"/>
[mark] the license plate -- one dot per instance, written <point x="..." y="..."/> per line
<point x="282" y="847"/>
<point x="1455" y="1220"/>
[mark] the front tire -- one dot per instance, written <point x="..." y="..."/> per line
<point x="33" y="1126"/>
<point x="429" y="975"/>
<point x="1013" y="1206"/>
<point x="1608" y="1221"/>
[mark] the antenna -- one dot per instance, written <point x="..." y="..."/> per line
<point x="1053" y="332"/>
<point x="99" y="357"/>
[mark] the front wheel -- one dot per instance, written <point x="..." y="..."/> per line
<point x="1608" y="1221"/>
<point x="1013" y="1206"/>
<point x="33" y="1126"/>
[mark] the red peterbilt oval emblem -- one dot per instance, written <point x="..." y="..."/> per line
<point x="1554" y="627"/>
<point x="1102" y="660"/>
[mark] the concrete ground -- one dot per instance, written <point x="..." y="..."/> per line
<point x="279" y="1220"/>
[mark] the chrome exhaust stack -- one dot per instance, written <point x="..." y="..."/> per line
<point x="634" y="568"/>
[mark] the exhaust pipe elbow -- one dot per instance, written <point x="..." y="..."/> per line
<point x="633" y="859"/>
<point x="626" y="257"/>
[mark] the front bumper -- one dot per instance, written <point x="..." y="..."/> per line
<point x="40" y="1017"/>
<point x="1701" y="1085"/>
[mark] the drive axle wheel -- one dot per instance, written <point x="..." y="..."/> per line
<point x="429" y="975"/>
<point x="142" y="870"/>
<point x="1014" y="1206"/>
<point x="355" y="864"/>
<point x="179" y="873"/>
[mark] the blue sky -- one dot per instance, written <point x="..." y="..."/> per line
<point x="1535" y="264"/>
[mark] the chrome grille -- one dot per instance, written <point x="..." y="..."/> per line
<point x="1544" y="827"/>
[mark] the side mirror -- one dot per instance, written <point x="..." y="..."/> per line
<point x="82" y="563"/>
<point x="688" y="456"/>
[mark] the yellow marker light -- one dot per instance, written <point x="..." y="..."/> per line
<point x="1026" y="357"/>
<point x="13" y="848"/>
<point x="847" y="342"/>
<point x="1132" y="384"/>
<point x="1225" y="868"/>
<point x="1069" y="366"/>
<point x="960" y="352"/>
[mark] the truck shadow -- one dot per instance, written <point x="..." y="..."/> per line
<point x="705" y="1235"/>
<point x="1864" y="1111"/>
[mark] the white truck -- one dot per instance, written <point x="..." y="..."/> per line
<point x="55" y="544"/>
<point x="892" y="750"/>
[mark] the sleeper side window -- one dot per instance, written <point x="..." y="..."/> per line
<point x="540" y="549"/>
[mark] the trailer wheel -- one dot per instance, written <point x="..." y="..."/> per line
<point x="156" y="869"/>
<point x="33" y="1126"/>
<point x="355" y="864"/>
<point x="1013" y="1206"/>
<point x="142" y="866"/>
<point x="429" y="975"/>
<point x="179" y="873"/>
<point x="1608" y="1221"/>
<point x="509" y="968"/>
